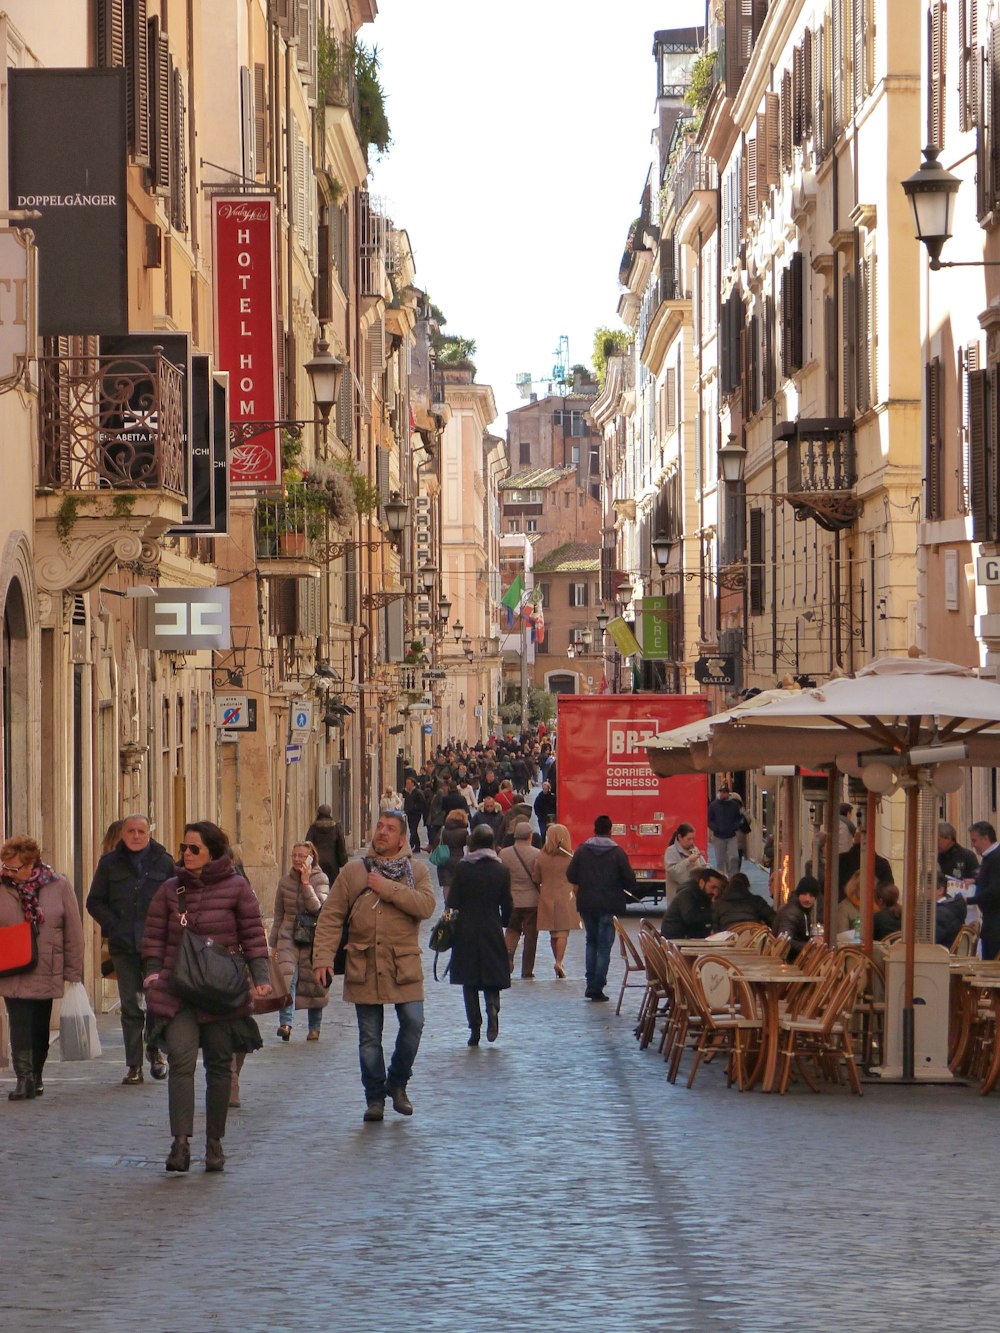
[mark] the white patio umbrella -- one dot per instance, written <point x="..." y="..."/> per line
<point x="685" y="750"/>
<point x="904" y="718"/>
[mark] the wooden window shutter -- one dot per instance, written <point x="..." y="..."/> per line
<point x="836" y="66"/>
<point x="572" y="593"/>
<point x="772" y="137"/>
<point x="248" y="145"/>
<point x="178" y="172"/>
<point x="323" y="276"/>
<point x="725" y="366"/>
<point x="984" y="136"/>
<point x="994" y="117"/>
<point x="979" y="429"/>
<point x="796" y="291"/>
<point x="768" y="378"/>
<point x="786" y="322"/>
<point x="848" y="342"/>
<point x="260" y="120"/>
<point x="818" y="95"/>
<point x="756" y="561"/>
<point x="282" y="607"/>
<point x="109" y="44"/>
<point x="785" y="118"/>
<point x="798" y="98"/>
<point x="863" y="365"/>
<point x="934" y="443"/>
<point x="159" y="101"/>
<point x="936" y="34"/>
<point x="965" y="120"/>
<point x="351" y="583"/>
<point x="345" y="409"/>
<point x="670" y="398"/>
<point x="975" y="65"/>
<point x="737" y="331"/>
<point x="750" y="159"/>
<point x="807" y="82"/>
<point x="968" y="364"/>
<point x="137" y="83"/>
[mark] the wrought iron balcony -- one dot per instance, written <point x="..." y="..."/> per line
<point x="111" y="422"/>
<point x="821" y="470"/>
<point x="289" y="536"/>
<point x="694" y="171"/>
<point x="340" y="86"/>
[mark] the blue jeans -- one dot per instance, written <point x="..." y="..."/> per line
<point x="373" y="1076"/>
<point x="286" y="1015"/>
<point x="600" y="941"/>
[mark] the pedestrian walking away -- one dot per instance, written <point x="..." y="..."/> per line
<point x="556" y="895"/>
<point x="219" y="905"/>
<point x="414" y="807"/>
<point x="123" y="886"/>
<point x="382" y="897"/>
<point x="327" y="837"/>
<point x="520" y="859"/>
<point x="297" y="901"/>
<point x="604" y="884"/>
<point x="32" y="891"/>
<point x="724" y="818"/>
<point x="481" y="896"/>
<point x="454" y="836"/>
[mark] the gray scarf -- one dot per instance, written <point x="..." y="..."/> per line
<point x="483" y="854"/>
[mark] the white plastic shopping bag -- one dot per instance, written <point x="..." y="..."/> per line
<point x="78" y="1039"/>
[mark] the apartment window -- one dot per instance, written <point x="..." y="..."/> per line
<point x="578" y="594"/>
<point x="531" y="525"/>
<point x="984" y="429"/>
<point x="544" y="595"/>
<point x="987" y="165"/>
<point x="792" y="320"/>
<point x="525" y="453"/>
<point x="512" y="525"/>
<point x="757" y="550"/>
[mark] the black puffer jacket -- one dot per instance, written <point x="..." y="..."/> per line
<point x="327" y="837"/>
<point x="739" y="905"/>
<point x="119" y="898"/>
<point x="604" y="880"/>
<point x="689" y="916"/>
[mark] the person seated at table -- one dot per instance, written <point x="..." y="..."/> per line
<point x="847" y="913"/>
<point x="689" y="916"/>
<point x="850" y="861"/>
<point x="737" y="905"/>
<point x="889" y="916"/>
<point x="949" y="914"/>
<point x="792" y="917"/>
<point x="954" y="860"/>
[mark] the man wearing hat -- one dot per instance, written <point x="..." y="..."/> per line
<point x="792" y="917"/>
<point x="724" y="816"/>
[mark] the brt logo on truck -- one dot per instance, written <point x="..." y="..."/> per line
<point x="628" y="767"/>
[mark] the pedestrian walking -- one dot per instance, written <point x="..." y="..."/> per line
<point x="382" y="898"/>
<point x="481" y="896"/>
<point x="123" y="886"/>
<point x="32" y="891"/>
<point x="545" y="806"/>
<point x="219" y="905"/>
<point x="454" y="836"/>
<point x="490" y="814"/>
<point x="327" y="837"/>
<point x="520" y="859"/>
<point x="301" y="892"/>
<point x="604" y="882"/>
<point x="414" y="807"/>
<point x="724" y="816"/>
<point x="556" y="895"/>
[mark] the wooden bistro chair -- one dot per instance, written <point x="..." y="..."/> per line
<point x="777" y="947"/>
<point x="729" y="1025"/>
<point x="824" y="1035"/>
<point x="633" y="962"/>
<point x="751" y="935"/>
<point x="965" y="942"/>
<point x="658" y="997"/>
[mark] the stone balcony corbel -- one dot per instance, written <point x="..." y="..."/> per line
<point x="80" y="536"/>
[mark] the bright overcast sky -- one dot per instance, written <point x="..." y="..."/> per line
<point x="521" y="141"/>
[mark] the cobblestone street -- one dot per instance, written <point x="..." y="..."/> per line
<point x="552" y="1181"/>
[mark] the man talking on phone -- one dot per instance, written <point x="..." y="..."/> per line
<point x="381" y="898"/>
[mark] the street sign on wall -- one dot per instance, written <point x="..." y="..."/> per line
<point x="236" y="712"/>
<point x="653" y="627"/>
<point x="715" y="670"/>
<point x="302" y="719"/>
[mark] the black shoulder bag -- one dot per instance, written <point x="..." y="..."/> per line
<point x="340" y="957"/>
<point x="206" y="975"/>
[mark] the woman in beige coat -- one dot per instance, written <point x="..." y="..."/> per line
<point x="303" y="889"/>
<point x="32" y="891"/>
<point x="557" y="897"/>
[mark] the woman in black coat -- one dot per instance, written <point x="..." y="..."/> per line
<point x="454" y="836"/>
<point x="480" y="894"/>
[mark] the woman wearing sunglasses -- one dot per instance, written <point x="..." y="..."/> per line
<point x="32" y="891"/>
<point x="220" y="905"/>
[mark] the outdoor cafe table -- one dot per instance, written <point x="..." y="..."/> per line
<point x="769" y="982"/>
<point x="973" y="982"/>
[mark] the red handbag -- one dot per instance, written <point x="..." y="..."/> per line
<point x="18" y="949"/>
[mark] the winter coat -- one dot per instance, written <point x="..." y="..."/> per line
<point x="680" y="868"/>
<point x="886" y="923"/>
<point x="545" y="808"/>
<point x="603" y="877"/>
<point x="958" y="862"/>
<point x="790" y="919"/>
<point x="556" y="896"/>
<point x="414" y="803"/>
<point x="453" y="800"/>
<point x="724" y="817"/>
<point x="493" y="820"/>
<point x="292" y="897"/>
<point x="119" y="898"/>
<point x="327" y="837"/>
<point x="480" y="894"/>
<point x="454" y="836"/>
<point x="520" y="860"/>
<point x="738" y="906"/>
<point x="949" y="918"/>
<point x="221" y="906"/>
<point x="383" y="946"/>
<point x="519" y="813"/>
<point x="689" y="916"/>
<point x="60" y="942"/>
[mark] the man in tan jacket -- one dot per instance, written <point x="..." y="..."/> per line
<point x="383" y="897"/>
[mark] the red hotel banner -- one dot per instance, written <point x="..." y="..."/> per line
<point x="246" y="323"/>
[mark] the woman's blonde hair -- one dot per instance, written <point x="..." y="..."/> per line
<point x="557" y="839"/>
<point x="311" y="847"/>
<point x="457" y="817"/>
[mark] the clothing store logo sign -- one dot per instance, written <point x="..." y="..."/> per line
<point x="628" y="769"/>
<point x="186" y="620"/>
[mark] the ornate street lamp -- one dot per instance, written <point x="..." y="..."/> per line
<point x="397" y="511"/>
<point x="931" y="191"/>
<point x="444" y="609"/>
<point x="661" y="549"/>
<point x="324" y="369"/>
<point x="458" y="629"/>
<point x="602" y="619"/>
<point x="732" y="461"/>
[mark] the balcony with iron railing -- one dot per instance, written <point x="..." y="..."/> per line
<point x="372" y="275"/>
<point x="694" y="171"/>
<point x="821" y="470"/>
<point x="112" y="476"/>
<point x="290" y="538"/>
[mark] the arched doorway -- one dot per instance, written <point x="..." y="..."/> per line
<point x="14" y="708"/>
<point x="560" y="682"/>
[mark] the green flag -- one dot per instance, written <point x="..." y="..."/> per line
<point x="512" y="597"/>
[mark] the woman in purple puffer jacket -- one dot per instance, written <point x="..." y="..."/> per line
<point x="220" y="905"/>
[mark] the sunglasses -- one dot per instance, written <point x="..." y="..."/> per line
<point x="192" y="847"/>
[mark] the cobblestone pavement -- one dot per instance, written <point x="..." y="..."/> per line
<point x="552" y="1181"/>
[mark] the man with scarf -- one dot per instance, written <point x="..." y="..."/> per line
<point x="604" y="882"/>
<point x="124" y="883"/>
<point x="381" y="898"/>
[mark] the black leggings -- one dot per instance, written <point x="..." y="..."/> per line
<point x="29" y="1028"/>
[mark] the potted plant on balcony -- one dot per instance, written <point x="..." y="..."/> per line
<point x="331" y="489"/>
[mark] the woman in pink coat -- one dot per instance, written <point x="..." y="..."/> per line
<point x="32" y="891"/>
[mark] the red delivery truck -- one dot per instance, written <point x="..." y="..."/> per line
<point x="602" y="769"/>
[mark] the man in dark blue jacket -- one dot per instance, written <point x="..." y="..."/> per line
<point x="724" y="819"/>
<point x="604" y="883"/>
<point x="122" y="889"/>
